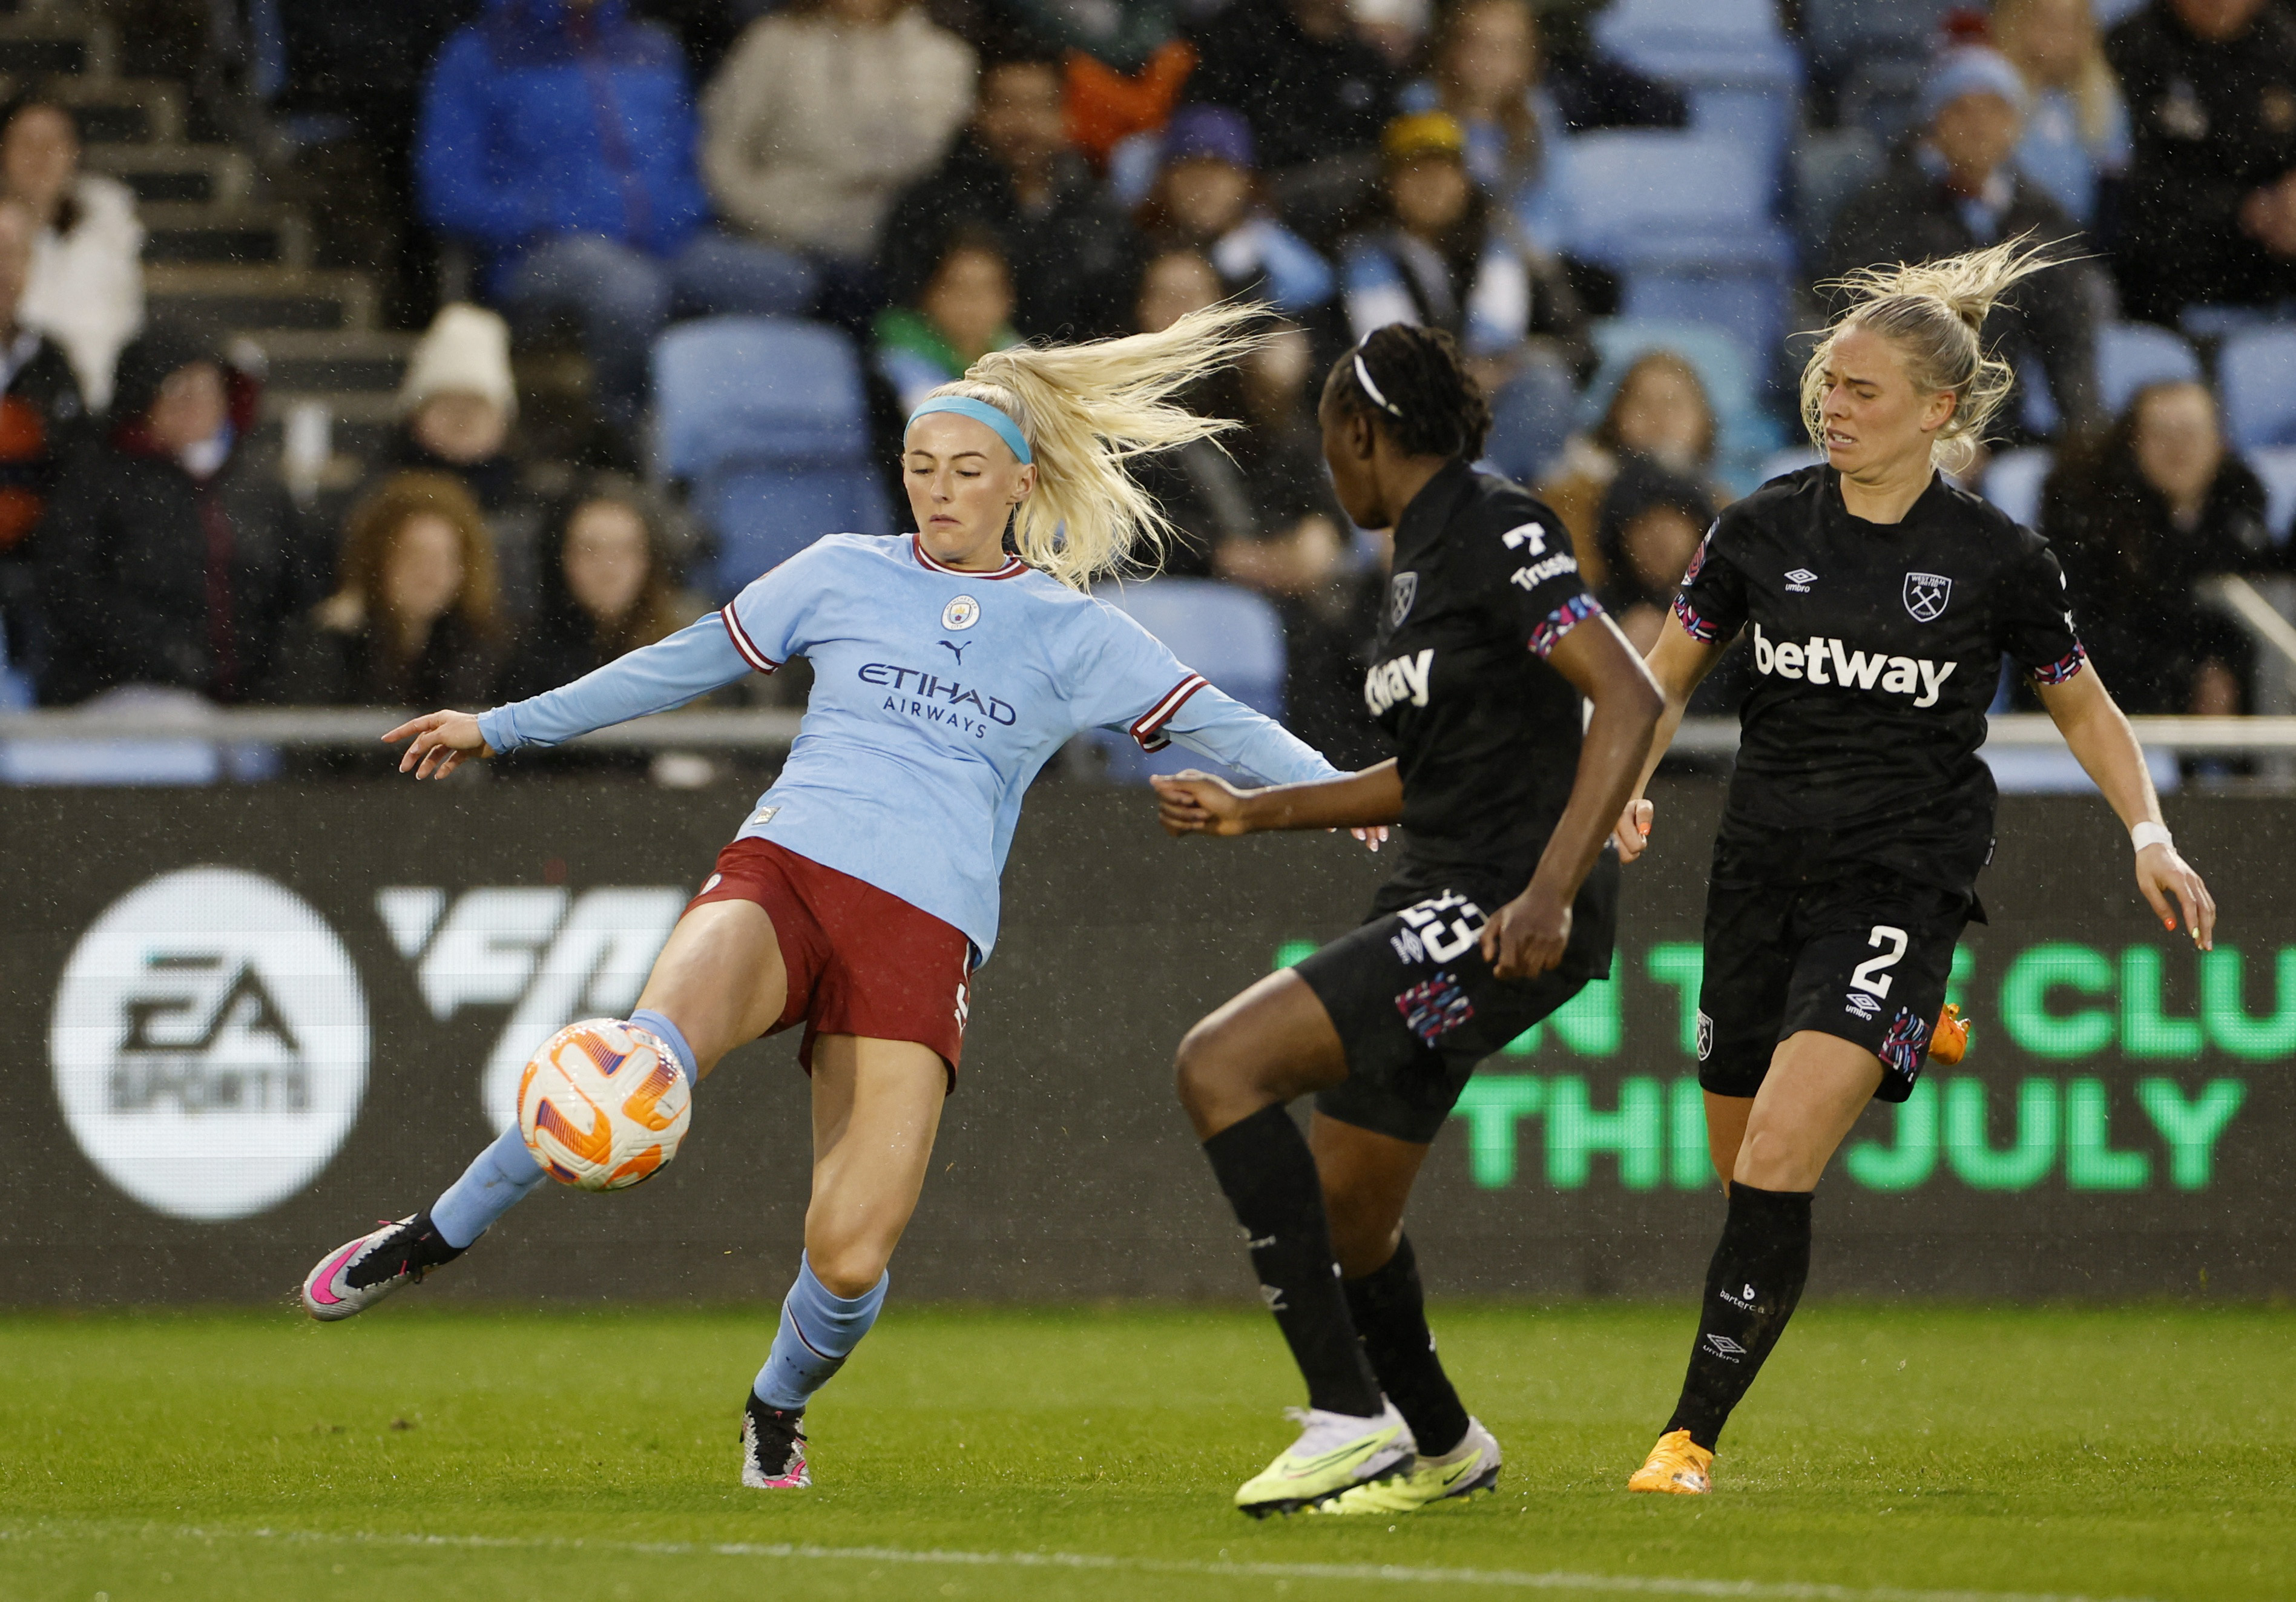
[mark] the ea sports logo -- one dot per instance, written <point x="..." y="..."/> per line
<point x="209" y="1043"/>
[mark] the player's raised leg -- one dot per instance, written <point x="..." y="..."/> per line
<point x="719" y="973"/>
<point x="1366" y="1179"/>
<point x="876" y="1108"/>
<point x="1236" y="1071"/>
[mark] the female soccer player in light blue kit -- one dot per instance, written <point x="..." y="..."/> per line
<point x="862" y="888"/>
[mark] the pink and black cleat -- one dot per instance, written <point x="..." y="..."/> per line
<point x="354" y="1277"/>
<point x="773" y="1449"/>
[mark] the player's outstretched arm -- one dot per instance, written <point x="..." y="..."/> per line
<point x="1679" y="663"/>
<point x="438" y="743"/>
<point x="2096" y="732"/>
<point x="1196" y="804"/>
<point x="1529" y="935"/>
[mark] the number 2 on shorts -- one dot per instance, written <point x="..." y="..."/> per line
<point x="1868" y="975"/>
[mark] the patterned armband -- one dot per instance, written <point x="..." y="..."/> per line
<point x="2063" y="668"/>
<point x="1562" y="620"/>
<point x="1694" y="623"/>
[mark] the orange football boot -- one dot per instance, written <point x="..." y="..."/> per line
<point x="1678" y="1466"/>
<point x="1949" y="1041"/>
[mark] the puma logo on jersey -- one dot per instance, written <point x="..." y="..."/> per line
<point x="1825" y="660"/>
<point x="1540" y="573"/>
<point x="1400" y="678"/>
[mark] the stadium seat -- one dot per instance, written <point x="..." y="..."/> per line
<point x="2275" y="464"/>
<point x="2256" y="375"/>
<point x="1741" y="72"/>
<point x="2012" y="482"/>
<point x="1683" y="219"/>
<point x="2131" y="355"/>
<point x="1829" y="167"/>
<point x="766" y="420"/>
<point x="1227" y="634"/>
<point x="1870" y="55"/>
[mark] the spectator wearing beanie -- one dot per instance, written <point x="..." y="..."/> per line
<point x="1955" y="188"/>
<point x="824" y="112"/>
<point x="43" y="424"/>
<point x="2208" y="215"/>
<point x="1207" y="198"/>
<point x="172" y="554"/>
<point x="558" y="136"/>
<point x="86" y="287"/>
<point x="458" y="407"/>
<point x="1013" y="172"/>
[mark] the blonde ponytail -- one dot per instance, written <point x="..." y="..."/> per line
<point x="1933" y="312"/>
<point x="1086" y="410"/>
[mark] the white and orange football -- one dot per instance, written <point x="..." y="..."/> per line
<point x="603" y="1105"/>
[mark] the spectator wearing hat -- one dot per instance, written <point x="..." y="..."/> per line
<point x="824" y="112"/>
<point x="558" y="136"/>
<point x="1954" y="188"/>
<point x="1446" y="257"/>
<point x="85" y="288"/>
<point x="1014" y="173"/>
<point x="458" y="415"/>
<point x="1207" y="198"/>
<point x="2210" y="212"/>
<point x="1651" y="522"/>
<point x="964" y="312"/>
<point x="172" y="554"/>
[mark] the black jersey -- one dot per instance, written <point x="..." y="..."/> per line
<point x="1486" y="732"/>
<point x="1876" y="649"/>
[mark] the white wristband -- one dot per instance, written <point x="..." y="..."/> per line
<point x="2150" y="834"/>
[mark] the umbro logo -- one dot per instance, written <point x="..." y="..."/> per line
<point x="1799" y="580"/>
<point x="1720" y="1345"/>
<point x="1862" y="1004"/>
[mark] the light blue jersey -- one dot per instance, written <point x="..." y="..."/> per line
<point x="936" y="696"/>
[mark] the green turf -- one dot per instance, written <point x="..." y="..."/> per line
<point x="2135" y="1452"/>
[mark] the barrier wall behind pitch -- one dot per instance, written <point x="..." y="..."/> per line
<point x="251" y="1021"/>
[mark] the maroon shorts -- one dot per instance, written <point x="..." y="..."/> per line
<point x="861" y="961"/>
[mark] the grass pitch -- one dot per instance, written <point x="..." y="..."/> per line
<point x="1887" y="1453"/>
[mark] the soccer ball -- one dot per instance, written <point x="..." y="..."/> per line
<point x="602" y="1105"/>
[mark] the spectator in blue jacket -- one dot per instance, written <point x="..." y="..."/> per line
<point x="1208" y="197"/>
<point x="558" y="136"/>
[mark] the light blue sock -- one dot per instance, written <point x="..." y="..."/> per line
<point x="489" y="1187"/>
<point x="818" y="1333"/>
<point x="649" y="1019"/>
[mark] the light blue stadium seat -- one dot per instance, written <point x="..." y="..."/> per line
<point x="2256" y="375"/>
<point x="2012" y="482"/>
<point x="767" y="420"/>
<point x="2275" y="464"/>
<point x="1793" y="458"/>
<point x="1227" y="634"/>
<point x="1741" y="73"/>
<point x="2131" y="355"/>
<point x="1684" y="220"/>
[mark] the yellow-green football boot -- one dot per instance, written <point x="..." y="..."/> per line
<point x="1472" y="1465"/>
<point x="1334" y="1452"/>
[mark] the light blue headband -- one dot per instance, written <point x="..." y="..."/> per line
<point x="980" y="411"/>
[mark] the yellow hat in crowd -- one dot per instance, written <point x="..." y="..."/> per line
<point x="1423" y="133"/>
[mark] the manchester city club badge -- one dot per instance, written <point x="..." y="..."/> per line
<point x="963" y="612"/>
<point x="1926" y="595"/>
<point x="1401" y="592"/>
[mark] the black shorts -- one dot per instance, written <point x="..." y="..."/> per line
<point x="1417" y="1007"/>
<point x="1864" y="958"/>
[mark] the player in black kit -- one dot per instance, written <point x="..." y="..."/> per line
<point x="1880" y="601"/>
<point x="1502" y="909"/>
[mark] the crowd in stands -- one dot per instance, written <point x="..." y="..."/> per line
<point x="939" y="178"/>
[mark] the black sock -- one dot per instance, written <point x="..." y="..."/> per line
<point x="1263" y="1164"/>
<point x="1391" y="1312"/>
<point x="1751" y="1287"/>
